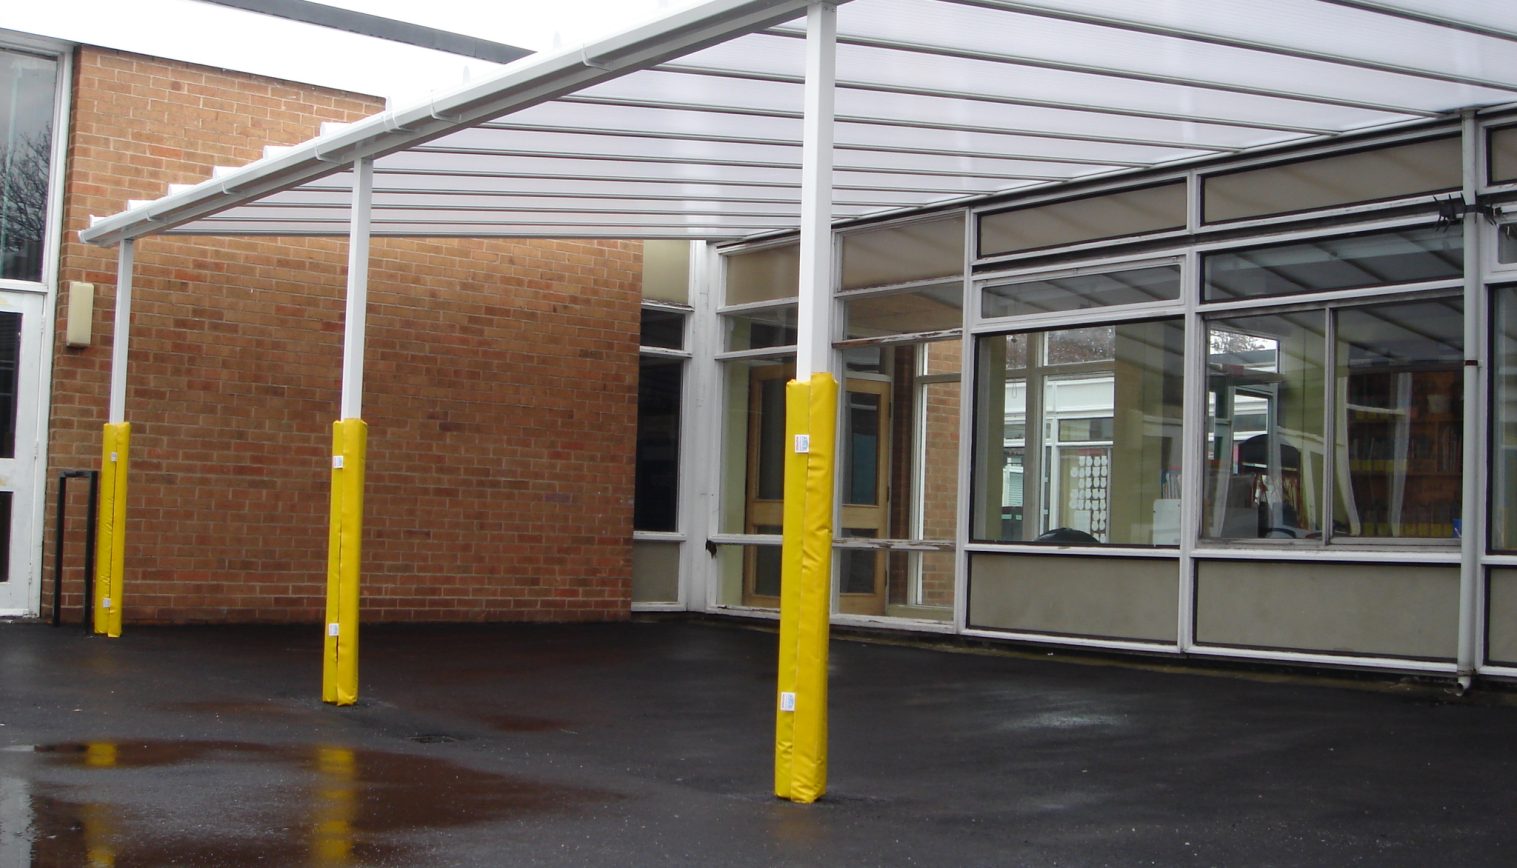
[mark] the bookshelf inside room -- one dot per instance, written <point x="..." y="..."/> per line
<point x="1400" y="449"/>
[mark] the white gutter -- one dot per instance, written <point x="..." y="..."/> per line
<point x="527" y="82"/>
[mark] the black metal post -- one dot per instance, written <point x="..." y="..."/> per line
<point x="90" y="518"/>
<point x="58" y="549"/>
<point x="90" y="515"/>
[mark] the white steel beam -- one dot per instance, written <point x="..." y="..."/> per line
<point x="355" y="322"/>
<point x="122" y="334"/>
<point x="814" y="316"/>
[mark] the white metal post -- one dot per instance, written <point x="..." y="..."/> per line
<point x="1472" y="533"/>
<point x="814" y="317"/>
<point x="700" y="452"/>
<point x="358" y="290"/>
<point x="122" y="333"/>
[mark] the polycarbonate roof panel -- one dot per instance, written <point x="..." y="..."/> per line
<point x="690" y="127"/>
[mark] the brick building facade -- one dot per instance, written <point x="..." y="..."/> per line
<point x="500" y="385"/>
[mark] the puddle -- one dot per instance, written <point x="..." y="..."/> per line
<point x="335" y="805"/>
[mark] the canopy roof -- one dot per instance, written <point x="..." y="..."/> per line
<point x="690" y="127"/>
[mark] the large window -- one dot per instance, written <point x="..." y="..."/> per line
<point x="660" y="392"/>
<point x="1504" y="420"/>
<point x="656" y="503"/>
<point x="1078" y="435"/>
<point x="1402" y="256"/>
<point x="27" y="85"/>
<point x="1395" y="415"/>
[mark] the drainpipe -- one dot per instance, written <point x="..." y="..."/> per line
<point x="1472" y="525"/>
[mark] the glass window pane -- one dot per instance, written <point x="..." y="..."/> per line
<point x="655" y="572"/>
<point x="656" y="492"/>
<point x="1345" y="262"/>
<point x="1503" y="154"/>
<point x="666" y="271"/>
<point x="1085" y="447"/>
<point x="753" y="444"/>
<point x="937" y="476"/>
<point x="1081" y="291"/>
<point x="663" y="328"/>
<point x="1074" y="346"/>
<point x="1131" y="212"/>
<point x="1504" y="420"/>
<point x="749" y="575"/>
<point x="760" y="329"/>
<point x="1506" y="243"/>
<point x="10" y="366"/>
<point x="1264" y="446"/>
<point x="764" y="275"/>
<point x="1400" y="389"/>
<point x="899" y="254"/>
<point x="929" y="309"/>
<point x="27" y="87"/>
<point x="1324" y="182"/>
<point x="928" y="588"/>
<point x="6" y="498"/>
<point x="864" y="447"/>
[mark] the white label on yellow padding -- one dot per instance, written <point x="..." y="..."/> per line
<point x="787" y="701"/>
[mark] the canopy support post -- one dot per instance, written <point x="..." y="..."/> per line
<point x="110" y="530"/>
<point x="339" y="673"/>
<point x="800" y="757"/>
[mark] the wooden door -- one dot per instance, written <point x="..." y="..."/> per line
<point x="863" y="489"/>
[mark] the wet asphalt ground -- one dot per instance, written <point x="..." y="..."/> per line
<point x="650" y="743"/>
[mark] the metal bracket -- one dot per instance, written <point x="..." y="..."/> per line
<point x="1453" y="210"/>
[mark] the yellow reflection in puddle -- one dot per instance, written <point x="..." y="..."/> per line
<point x="97" y="820"/>
<point x="100" y="754"/>
<point x="335" y="808"/>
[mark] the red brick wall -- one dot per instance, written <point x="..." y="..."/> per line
<point x="500" y="386"/>
<point x="941" y="490"/>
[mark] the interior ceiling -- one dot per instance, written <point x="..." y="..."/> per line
<point x="691" y="127"/>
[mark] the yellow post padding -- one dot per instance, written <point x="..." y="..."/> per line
<point x="800" y="750"/>
<point x="797" y="421"/>
<point x="110" y="528"/>
<point x="339" y="670"/>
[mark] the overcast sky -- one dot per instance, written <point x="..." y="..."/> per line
<point x="220" y="36"/>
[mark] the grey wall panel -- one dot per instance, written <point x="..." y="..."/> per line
<point x="1106" y="597"/>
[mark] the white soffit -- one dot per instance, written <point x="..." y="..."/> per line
<point x="690" y="127"/>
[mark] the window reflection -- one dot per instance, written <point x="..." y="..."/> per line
<point x="1264" y="426"/>
<point x="1082" y="446"/>
<point x="1396" y="412"/>
<point x="1401" y="411"/>
<point x="27" y="85"/>
<point x="1504" y="421"/>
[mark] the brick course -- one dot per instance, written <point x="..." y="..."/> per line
<point x="500" y="386"/>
